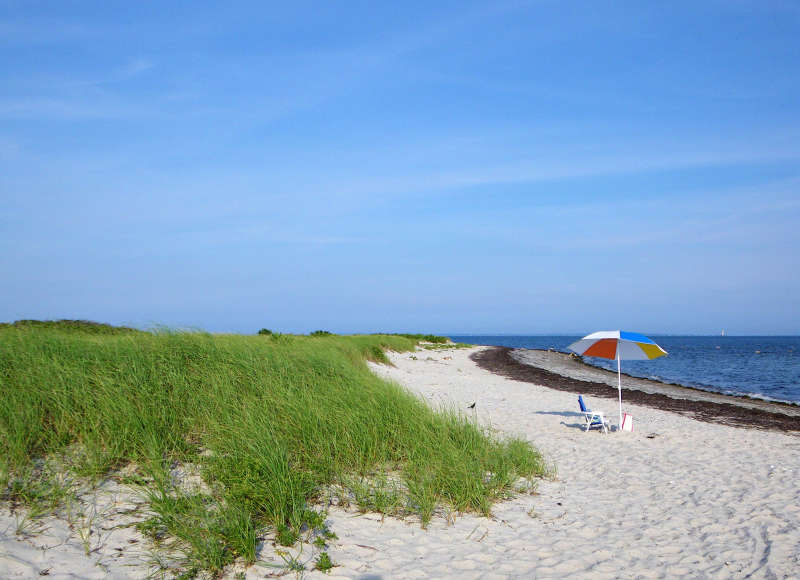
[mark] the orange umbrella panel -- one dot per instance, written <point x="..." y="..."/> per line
<point x="603" y="348"/>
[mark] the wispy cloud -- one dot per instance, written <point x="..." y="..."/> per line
<point x="81" y="99"/>
<point x="41" y="31"/>
<point x="750" y="216"/>
<point x="556" y="168"/>
<point x="246" y="232"/>
<point x="132" y="69"/>
<point x="66" y="109"/>
<point x="136" y="67"/>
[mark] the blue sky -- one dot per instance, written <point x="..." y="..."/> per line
<point x="453" y="167"/>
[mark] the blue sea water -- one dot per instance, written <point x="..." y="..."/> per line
<point x="767" y="367"/>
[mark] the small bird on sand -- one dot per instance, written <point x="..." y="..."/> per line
<point x="472" y="406"/>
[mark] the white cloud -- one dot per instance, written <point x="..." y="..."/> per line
<point x="136" y="67"/>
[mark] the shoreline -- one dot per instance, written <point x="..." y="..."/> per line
<point x="708" y="388"/>
<point x="564" y="362"/>
<point x="561" y="372"/>
<point x="753" y="367"/>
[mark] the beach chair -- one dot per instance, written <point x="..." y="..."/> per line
<point x="593" y="418"/>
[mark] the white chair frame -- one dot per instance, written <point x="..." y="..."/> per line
<point x="589" y="415"/>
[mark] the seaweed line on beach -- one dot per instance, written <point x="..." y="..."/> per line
<point x="498" y="360"/>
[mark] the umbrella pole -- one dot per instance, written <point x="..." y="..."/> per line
<point x="619" y="389"/>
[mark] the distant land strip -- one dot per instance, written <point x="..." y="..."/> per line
<point x="784" y="418"/>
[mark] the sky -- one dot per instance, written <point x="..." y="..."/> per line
<point x="451" y="167"/>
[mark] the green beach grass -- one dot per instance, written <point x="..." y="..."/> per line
<point x="274" y="422"/>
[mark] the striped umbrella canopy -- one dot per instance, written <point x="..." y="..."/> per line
<point x="619" y="345"/>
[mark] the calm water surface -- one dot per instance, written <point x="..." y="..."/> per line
<point x="759" y="366"/>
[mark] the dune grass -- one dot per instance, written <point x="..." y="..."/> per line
<point x="273" y="421"/>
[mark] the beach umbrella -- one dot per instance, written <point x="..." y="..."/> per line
<point x="619" y="345"/>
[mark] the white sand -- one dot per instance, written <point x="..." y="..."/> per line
<point x="92" y="539"/>
<point x="698" y="500"/>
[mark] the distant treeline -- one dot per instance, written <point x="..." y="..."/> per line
<point x="91" y="327"/>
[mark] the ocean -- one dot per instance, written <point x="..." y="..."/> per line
<point x="766" y="367"/>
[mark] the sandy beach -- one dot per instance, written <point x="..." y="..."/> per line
<point x="678" y="497"/>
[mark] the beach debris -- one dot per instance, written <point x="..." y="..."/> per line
<point x="479" y="528"/>
<point x="366" y="547"/>
<point x="472" y="405"/>
<point x="652" y="435"/>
